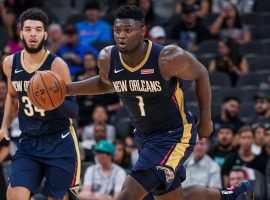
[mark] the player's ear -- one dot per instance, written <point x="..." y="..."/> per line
<point x="21" y="35"/>
<point x="143" y="31"/>
<point x="46" y="35"/>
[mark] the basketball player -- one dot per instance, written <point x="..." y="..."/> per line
<point x="48" y="146"/>
<point x="147" y="77"/>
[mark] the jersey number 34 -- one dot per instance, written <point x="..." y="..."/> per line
<point x="30" y="109"/>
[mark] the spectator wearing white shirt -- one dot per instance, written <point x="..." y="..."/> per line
<point x="201" y="169"/>
<point x="103" y="181"/>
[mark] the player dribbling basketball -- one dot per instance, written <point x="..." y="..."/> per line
<point x="48" y="146"/>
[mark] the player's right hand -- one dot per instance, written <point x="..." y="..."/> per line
<point x="4" y="134"/>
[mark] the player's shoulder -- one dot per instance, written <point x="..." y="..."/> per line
<point x="7" y="65"/>
<point x="171" y="49"/>
<point x="105" y="53"/>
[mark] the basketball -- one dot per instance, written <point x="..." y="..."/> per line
<point x="46" y="90"/>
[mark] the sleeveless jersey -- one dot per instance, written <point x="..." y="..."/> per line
<point x="32" y="120"/>
<point x="153" y="103"/>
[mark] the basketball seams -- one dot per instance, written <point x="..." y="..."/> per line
<point x="47" y="90"/>
<point x="58" y="84"/>
<point x="33" y="94"/>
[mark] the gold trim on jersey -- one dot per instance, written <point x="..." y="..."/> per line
<point x="181" y="147"/>
<point x="133" y="69"/>
<point x="38" y="66"/>
<point x="74" y="136"/>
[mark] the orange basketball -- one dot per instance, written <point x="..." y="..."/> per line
<point x="46" y="90"/>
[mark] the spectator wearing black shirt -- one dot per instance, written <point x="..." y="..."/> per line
<point x="229" y="60"/>
<point x="228" y="114"/>
<point x="224" y="147"/>
<point x="188" y="30"/>
<point x="244" y="155"/>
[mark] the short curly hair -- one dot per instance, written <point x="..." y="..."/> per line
<point x="34" y="14"/>
<point x="130" y="12"/>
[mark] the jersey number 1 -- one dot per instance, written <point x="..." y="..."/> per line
<point x="141" y="105"/>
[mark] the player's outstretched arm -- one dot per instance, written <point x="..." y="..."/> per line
<point x="96" y="85"/>
<point x="11" y="104"/>
<point x="175" y="62"/>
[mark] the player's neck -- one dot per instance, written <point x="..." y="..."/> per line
<point x="106" y="168"/>
<point x="137" y="56"/>
<point x="33" y="57"/>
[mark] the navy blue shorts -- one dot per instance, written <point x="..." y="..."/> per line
<point x="161" y="157"/>
<point x="54" y="157"/>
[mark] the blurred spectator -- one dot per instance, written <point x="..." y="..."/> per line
<point x="55" y="38"/>
<point x="4" y="152"/>
<point x="224" y="147"/>
<point x="93" y="29"/>
<point x="265" y="85"/>
<point x="120" y="156"/>
<point x="103" y="181"/>
<point x="229" y="60"/>
<point x="268" y="179"/>
<point x="267" y="143"/>
<point x="150" y="18"/>
<point x="237" y="175"/>
<point x="3" y="94"/>
<point x="228" y="115"/>
<point x="201" y="169"/>
<point x="262" y="109"/>
<point x="3" y="55"/>
<point x="99" y="116"/>
<point x="14" y="44"/>
<point x="90" y="66"/>
<point x="4" y="145"/>
<point x="244" y="156"/>
<point x="9" y="20"/>
<point x="259" y="139"/>
<point x="229" y="25"/>
<point x="243" y="6"/>
<point x="203" y="7"/>
<point x="157" y="35"/>
<point x="73" y="52"/>
<point x="188" y="30"/>
<point x="131" y="149"/>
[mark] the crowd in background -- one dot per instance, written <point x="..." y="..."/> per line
<point x="230" y="37"/>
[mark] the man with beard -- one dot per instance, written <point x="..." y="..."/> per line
<point x="224" y="145"/>
<point x="48" y="145"/>
<point x="228" y="115"/>
<point x="262" y="109"/>
<point x="243" y="156"/>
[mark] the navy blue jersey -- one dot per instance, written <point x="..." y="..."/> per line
<point x="32" y="120"/>
<point x="153" y="103"/>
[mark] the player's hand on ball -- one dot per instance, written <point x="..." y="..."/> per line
<point x="47" y="90"/>
<point x="204" y="128"/>
<point x="4" y="134"/>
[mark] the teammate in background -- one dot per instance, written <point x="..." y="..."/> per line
<point x="147" y="76"/>
<point x="48" y="145"/>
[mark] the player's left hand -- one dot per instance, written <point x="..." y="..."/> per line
<point x="204" y="128"/>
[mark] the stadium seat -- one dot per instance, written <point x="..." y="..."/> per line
<point x="251" y="79"/>
<point x="215" y="108"/>
<point x="122" y="124"/>
<point x="217" y="95"/>
<point x="254" y="47"/>
<point x="73" y="19"/>
<point x="219" y="79"/>
<point x="190" y="95"/>
<point x="208" y="46"/>
<point x="193" y="107"/>
<point x="258" y="63"/>
<point x="263" y="6"/>
<point x="246" y="112"/>
<point x="260" y="32"/>
<point x="4" y="37"/>
<point x="250" y="18"/>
